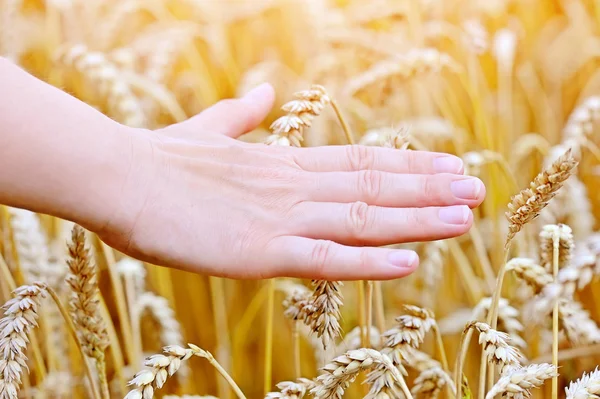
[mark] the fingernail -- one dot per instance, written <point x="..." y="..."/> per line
<point x="406" y="259"/>
<point x="454" y="214"/>
<point x="256" y="92"/>
<point x="447" y="164"/>
<point x="468" y="189"/>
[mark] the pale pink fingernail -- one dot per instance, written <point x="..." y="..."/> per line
<point x="447" y="164"/>
<point x="468" y="189"/>
<point x="406" y="259"/>
<point x="454" y="214"/>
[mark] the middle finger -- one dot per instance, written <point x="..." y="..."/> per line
<point x="396" y="190"/>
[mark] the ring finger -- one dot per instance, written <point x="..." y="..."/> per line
<point x="360" y="224"/>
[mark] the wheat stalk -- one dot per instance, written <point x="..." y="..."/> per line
<point x="430" y="383"/>
<point x="324" y="315"/>
<point x="585" y="387"/>
<point x="291" y="389"/>
<point x="343" y="370"/>
<point x="508" y="318"/>
<point x="517" y="382"/>
<point x="84" y="303"/>
<point x="289" y="129"/>
<point x="527" y="205"/>
<point x="20" y="315"/>
<point x="405" y="66"/>
<point x="566" y="245"/>
<point x="107" y="79"/>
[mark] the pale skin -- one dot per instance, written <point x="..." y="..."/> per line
<point x="192" y="197"/>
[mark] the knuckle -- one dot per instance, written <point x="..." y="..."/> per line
<point x="320" y="256"/>
<point x="412" y="161"/>
<point x="370" y="182"/>
<point x="360" y="157"/>
<point x="431" y="192"/>
<point x="358" y="219"/>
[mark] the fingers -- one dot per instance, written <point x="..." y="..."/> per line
<point x="230" y="117"/>
<point x="360" y="224"/>
<point x="395" y="190"/>
<point x="357" y="157"/>
<point x="327" y="260"/>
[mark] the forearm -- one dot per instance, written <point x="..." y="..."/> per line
<point x="59" y="156"/>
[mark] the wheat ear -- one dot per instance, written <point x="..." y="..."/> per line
<point x="343" y="370"/>
<point x="84" y="303"/>
<point x="291" y="389"/>
<point x="585" y="387"/>
<point x="20" y="317"/>
<point x="517" y="382"/>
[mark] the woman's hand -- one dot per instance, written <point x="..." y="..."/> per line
<point x="199" y="200"/>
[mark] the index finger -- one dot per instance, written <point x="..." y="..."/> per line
<point x="349" y="158"/>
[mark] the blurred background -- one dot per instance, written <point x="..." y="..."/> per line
<point x="500" y="83"/>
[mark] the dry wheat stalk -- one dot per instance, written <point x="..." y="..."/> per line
<point x="133" y="269"/>
<point x="530" y="272"/>
<point x="566" y="245"/>
<point x="476" y="37"/>
<point x="581" y="121"/>
<point x="343" y="370"/>
<point x="32" y="247"/>
<point x="297" y="303"/>
<point x="571" y="206"/>
<point x="579" y="273"/>
<point x="288" y="129"/>
<point x="508" y="318"/>
<point x="409" y="333"/>
<point x="517" y="382"/>
<point x="497" y="347"/>
<point x="160" y="368"/>
<point x="577" y="323"/>
<point x="20" y="315"/>
<point x="291" y="389"/>
<point x="387" y="137"/>
<point x="586" y="387"/>
<point x="430" y="383"/>
<point x="527" y="205"/>
<point x="106" y="78"/>
<point x="413" y="62"/>
<point x="432" y="266"/>
<point x="161" y="313"/>
<point x="324" y="315"/>
<point x="84" y="303"/>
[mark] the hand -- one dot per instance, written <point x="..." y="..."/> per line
<point x="199" y="200"/>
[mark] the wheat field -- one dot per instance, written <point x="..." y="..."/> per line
<point x="512" y="87"/>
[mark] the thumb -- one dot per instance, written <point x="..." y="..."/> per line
<point x="234" y="117"/>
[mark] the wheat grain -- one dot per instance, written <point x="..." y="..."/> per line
<point x="405" y="66"/>
<point x="497" y="347"/>
<point x="133" y="269"/>
<point x="581" y="121"/>
<point x="530" y="272"/>
<point x="20" y="315"/>
<point x="508" y="318"/>
<point x="387" y="137"/>
<point x="565" y="243"/>
<point x="160" y="367"/>
<point x="84" y="303"/>
<point x="291" y="389"/>
<point x="430" y="383"/>
<point x="324" y="315"/>
<point x="585" y="387"/>
<point x="409" y="333"/>
<point x="343" y="370"/>
<point x="517" y="382"/>
<point x="526" y="206"/>
<point x="300" y="113"/>
<point x="577" y="324"/>
<point x="103" y="75"/>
